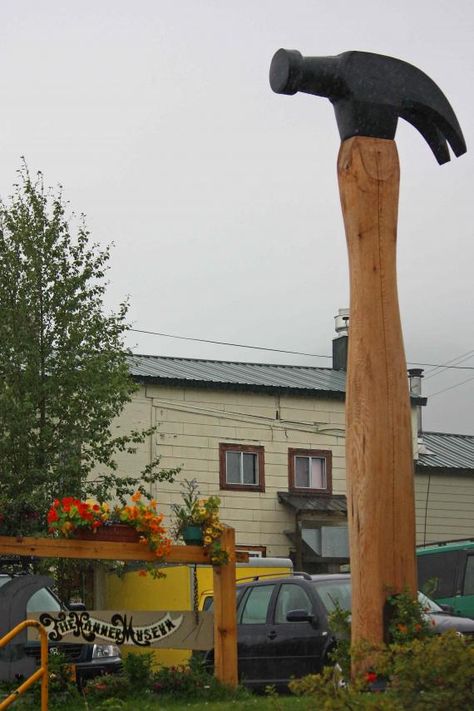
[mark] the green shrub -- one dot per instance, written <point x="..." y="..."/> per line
<point x="109" y="686"/>
<point x="193" y="682"/>
<point x="138" y="668"/>
<point x="431" y="674"/>
<point x="418" y="670"/>
<point x="434" y="674"/>
<point x="62" y="688"/>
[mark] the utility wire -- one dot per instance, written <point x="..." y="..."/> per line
<point x="458" y="359"/>
<point x="435" y="366"/>
<point x="451" y="387"/>
<point x="225" y="343"/>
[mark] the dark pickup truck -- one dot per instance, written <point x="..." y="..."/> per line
<point x="23" y="594"/>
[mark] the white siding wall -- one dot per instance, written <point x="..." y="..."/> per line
<point x="192" y="422"/>
<point x="444" y="507"/>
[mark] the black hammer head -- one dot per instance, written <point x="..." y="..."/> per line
<point x="369" y="92"/>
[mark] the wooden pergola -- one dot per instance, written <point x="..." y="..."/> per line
<point x="225" y="627"/>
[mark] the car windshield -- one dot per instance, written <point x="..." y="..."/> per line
<point x="337" y="593"/>
<point x="334" y="593"/>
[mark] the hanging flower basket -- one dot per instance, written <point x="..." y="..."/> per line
<point x="196" y="521"/>
<point x="192" y="535"/>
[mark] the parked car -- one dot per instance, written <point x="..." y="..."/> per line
<point x="89" y="660"/>
<point x="283" y="629"/>
<point x="447" y="569"/>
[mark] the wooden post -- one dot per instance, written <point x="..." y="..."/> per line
<point x="380" y="486"/>
<point x="225" y="615"/>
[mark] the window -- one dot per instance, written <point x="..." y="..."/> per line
<point x="291" y="597"/>
<point x="255" y="606"/>
<point x="253" y="551"/>
<point x="310" y="470"/>
<point x="437" y="573"/>
<point x="241" y="467"/>
<point x="469" y="576"/>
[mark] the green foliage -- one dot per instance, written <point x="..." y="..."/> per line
<point x="201" y="513"/>
<point x="138" y="668"/>
<point x="62" y="688"/>
<point x="62" y="361"/>
<point x="407" y="619"/>
<point x="188" y="682"/>
<point x="108" y="686"/>
<point x="417" y="670"/>
<point x="334" y="694"/>
<point x="193" y="682"/>
<point x="432" y="674"/>
<point x="339" y="622"/>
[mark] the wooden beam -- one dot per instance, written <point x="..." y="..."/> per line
<point x="96" y="550"/>
<point x="101" y="550"/>
<point x="225" y="615"/>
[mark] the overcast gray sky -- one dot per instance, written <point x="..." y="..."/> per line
<point x="221" y="196"/>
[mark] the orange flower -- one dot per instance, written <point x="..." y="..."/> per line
<point x="137" y="496"/>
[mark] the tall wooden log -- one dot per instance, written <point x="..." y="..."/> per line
<point x="380" y="486"/>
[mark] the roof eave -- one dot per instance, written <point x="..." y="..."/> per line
<point x="248" y="387"/>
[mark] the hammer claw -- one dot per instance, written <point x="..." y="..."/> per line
<point x="369" y="92"/>
<point x="430" y="133"/>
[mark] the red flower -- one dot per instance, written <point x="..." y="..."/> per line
<point x="52" y="515"/>
<point x="371" y="677"/>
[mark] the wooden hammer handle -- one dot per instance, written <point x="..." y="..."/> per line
<point x="379" y="456"/>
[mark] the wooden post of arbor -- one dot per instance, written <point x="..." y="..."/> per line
<point x="225" y="636"/>
<point x="225" y="616"/>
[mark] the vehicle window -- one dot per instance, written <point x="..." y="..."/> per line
<point x="291" y="597"/>
<point x="255" y="606"/>
<point x="437" y="573"/>
<point x="334" y="593"/>
<point x="43" y="601"/>
<point x="208" y="603"/>
<point x="468" y="588"/>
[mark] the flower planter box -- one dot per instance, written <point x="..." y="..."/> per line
<point x="118" y="532"/>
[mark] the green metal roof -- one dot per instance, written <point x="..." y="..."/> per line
<point x="446" y="546"/>
<point x="440" y="450"/>
<point x="248" y="376"/>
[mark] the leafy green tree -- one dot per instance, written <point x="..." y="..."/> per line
<point x="63" y="366"/>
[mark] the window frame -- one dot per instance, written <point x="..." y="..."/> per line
<point x="325" y="454"/>
<point x="241" y="448"/>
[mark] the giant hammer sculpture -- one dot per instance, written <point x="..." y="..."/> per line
<point x="369" y="93"/>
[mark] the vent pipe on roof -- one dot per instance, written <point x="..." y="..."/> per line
<point x="340" y="343"/>
<point x="415" y="376"/>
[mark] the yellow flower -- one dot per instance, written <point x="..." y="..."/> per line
<point x="207" y="540"/>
